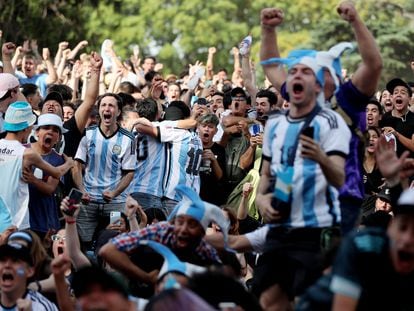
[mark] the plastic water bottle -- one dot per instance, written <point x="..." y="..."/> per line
<point x="245" y="45"/>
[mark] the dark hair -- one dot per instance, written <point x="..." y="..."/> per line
<point x="227" y="100"/>
<point x="127" y="100"/>
<point x="150" y="57"/>
<point x="29" y="89"/>
<point x="147" y="108"/>
<point x="223" y="69"/>
<point x="154" y="213"/>
<point x="71" y="105"/>
<point x="65" y="91"/>
<point x="271" y="97"/>
<point x="150" y="75"/>
<point x="218" y="93"/>
<point x="216" y="287"/>
<point x="127" y="87"/>
<point x="116" y="96"/>
<point x="125" y="112"/>
<point x="177" y="110"/>
<point x="374" y="101"/>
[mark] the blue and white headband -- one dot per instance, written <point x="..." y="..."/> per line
<point x="204" y="212"/>
<point x="171" y="261"/>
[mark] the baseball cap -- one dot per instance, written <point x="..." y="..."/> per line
<point x="237" y="90"/>
<point x="19" y="116"/>
<point x="54" y="96"/>
<point x="392" y="84"/>
<point x="384" y="194"/>
<point x="50" y="119"/>
<point x="7" y="82"/>
<point x="16" y="251"/>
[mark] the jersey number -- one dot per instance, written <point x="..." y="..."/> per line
<point x="194" y="155"/>
<point x="142" y="148"/>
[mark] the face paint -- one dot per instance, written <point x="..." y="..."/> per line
<point x="20" y="271"/>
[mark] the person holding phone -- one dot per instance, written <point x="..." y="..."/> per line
<point x="302" y="174"/>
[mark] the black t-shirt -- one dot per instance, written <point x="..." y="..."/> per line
<point x="372" y="181"/>
<point x="404" y="126"/>
<point x="211" y="189"/>
<point x="363" y="267"/>
<point x="72" y="137"/>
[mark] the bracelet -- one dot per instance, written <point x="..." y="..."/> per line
<point x="70" y="222"/>
<point x="39" y="287"/>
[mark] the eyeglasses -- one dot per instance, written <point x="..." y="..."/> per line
<point x="239" y="98"/>
<point x="57" y="237"/>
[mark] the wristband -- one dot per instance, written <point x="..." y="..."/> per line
<point x="70" y="222"/>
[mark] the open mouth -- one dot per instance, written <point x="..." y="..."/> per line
<point x="48" y="140"/>
<point x="398" y="101"/>
<point x="206" y="135"/>
<point x="7" y="277"/>
<point x="107" y="116"/>
<point x="405" y="256"/>
<point x="236" y="105"/>
<point x="297" y="88"/>
<point x="60" y="250"/>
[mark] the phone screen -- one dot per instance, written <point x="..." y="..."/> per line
<point x="114" y="217"/>
<point x="75" y="196"/>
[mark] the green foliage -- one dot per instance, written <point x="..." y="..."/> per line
<point x="179" y="32"/>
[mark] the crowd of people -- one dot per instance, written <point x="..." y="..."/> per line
<point x="128" y="189"/>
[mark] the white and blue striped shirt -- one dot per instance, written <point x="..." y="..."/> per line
<point x="106" y="158"/>
<point x="151" y="157"/>
<point x="184" y="159"/>
<point x="39" y="303"/>
<point x="315" y="202"/>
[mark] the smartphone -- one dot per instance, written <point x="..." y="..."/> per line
<point x="202" y="101"/>
<point x="255" y="129"/>
<point x="114" y="217"/>
<point x="75" y="197"/>
<point x="309" y="132"/>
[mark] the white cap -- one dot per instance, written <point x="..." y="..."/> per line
<point x="50" y="119"/>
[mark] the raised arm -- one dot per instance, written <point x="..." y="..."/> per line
<point x="7" y="52"/>
<point x="61" y="47"/>
<point x="366" y="78"/>
<point x="70" y="214"/>
<point x="77" y="48"/>
<point x="82" y="113"/>
<point x="210" y="63"/>
<point x="271" y="18"/>
<point x="51" y="71"/>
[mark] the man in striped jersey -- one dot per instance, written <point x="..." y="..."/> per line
<point x="107" y="153"/>
<point x="16" y="268"/>
<point x="302" y="153"/>
<point x="183" y="149"/>
<point x="147" y="186"/>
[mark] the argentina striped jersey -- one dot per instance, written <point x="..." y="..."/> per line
<point x="315" y="203"/>
<point x="150" y="171"/>
<point x="184" y="158"/>
<point x="105" y="158"/>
